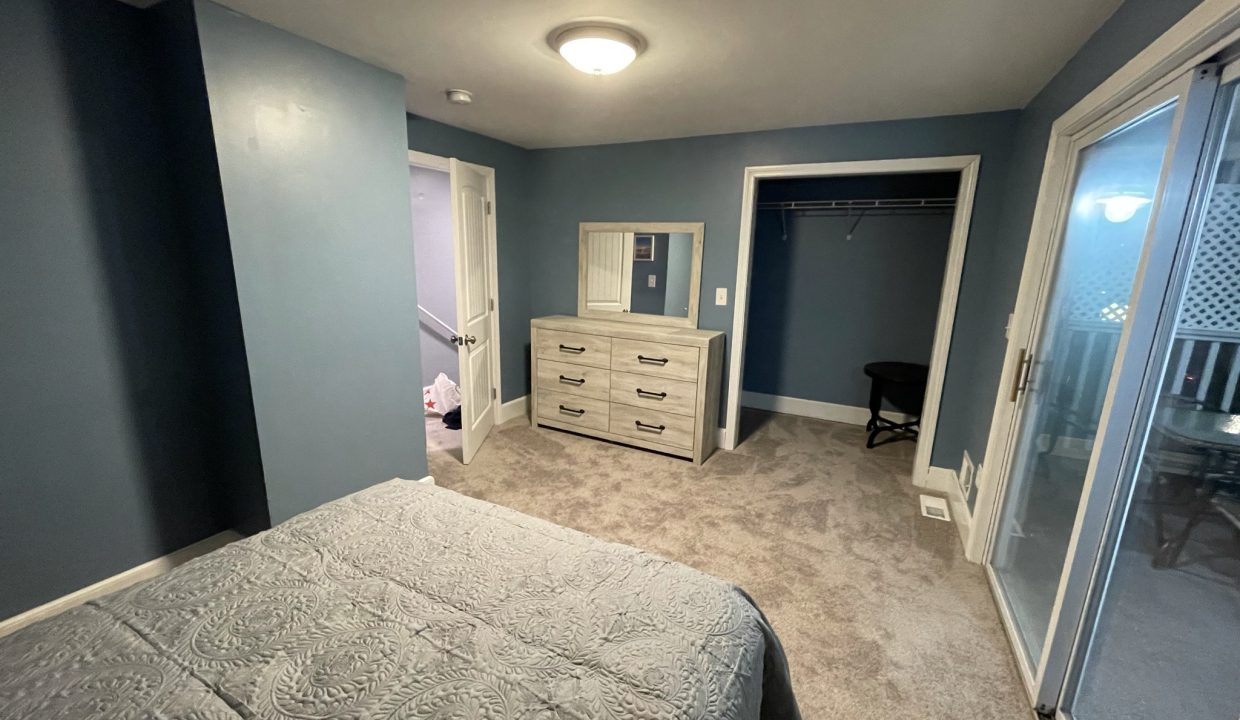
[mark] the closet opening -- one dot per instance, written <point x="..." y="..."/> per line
<point x="453" y="219"/>
<point x="846" y="295"/>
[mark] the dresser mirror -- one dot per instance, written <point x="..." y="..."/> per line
<point x="640" y="272"/>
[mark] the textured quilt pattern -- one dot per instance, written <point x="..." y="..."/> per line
<point x="406" y="601"/>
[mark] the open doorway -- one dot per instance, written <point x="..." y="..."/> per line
<point x="453" y="213"/>
<point x="843" y="265"/>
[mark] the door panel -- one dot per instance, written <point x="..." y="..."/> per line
<point x="1094" y="299"/>
<point x="609" y="271"/>
<point x="1161" y="635"/>
<point x="470" y="202"/>
<point x="1116" y="182"/>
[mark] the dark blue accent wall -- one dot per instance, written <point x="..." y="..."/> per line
<point x="513" y="235"/>
<point x="822" y="304"/>
<point x="314" y="172"/>
<point x="105" y="459"/>
<point x="699" y="179"/>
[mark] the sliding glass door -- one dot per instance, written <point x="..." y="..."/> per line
<point x="1066" y="378"/>
<point x="1112" y="256"/>
<point x="1161" y="632"/>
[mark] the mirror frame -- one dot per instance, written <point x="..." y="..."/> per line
<point x="695" y="271"/>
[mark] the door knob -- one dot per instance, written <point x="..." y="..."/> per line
<point x="470" y="339"/>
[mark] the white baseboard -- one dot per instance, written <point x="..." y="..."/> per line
<point x="513" y="409"/>
<point x="120" y="581"/>
<point x="834" y="412"/>
<point x="944" y="482"/>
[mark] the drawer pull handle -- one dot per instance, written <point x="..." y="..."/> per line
<point x="649" y="428"/>
<point x="649" y="360"/>
<point x="572" y="381"/>
<point x="571" y="349"/>
<point x="647" y="393"/>
<point x="572" y="411"/>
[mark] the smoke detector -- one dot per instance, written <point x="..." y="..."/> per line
<point x="459" y="97"/>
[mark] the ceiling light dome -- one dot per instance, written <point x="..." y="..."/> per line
<point x="597" y="49"/>
<point x="1120" y="207"/>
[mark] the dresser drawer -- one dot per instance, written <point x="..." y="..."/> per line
<point x="654" y="393"/>
<point x="576" y="348"/>
<point x="652" y="425"/>
<point x="573" y="410"/>
<point x="679" y="362"/>
<point x="581" y="380"/>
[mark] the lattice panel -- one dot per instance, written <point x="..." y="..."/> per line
<point x="1101" y="271"/>
<point x="1100" y="263"/>
<point x="1212" y="300"/>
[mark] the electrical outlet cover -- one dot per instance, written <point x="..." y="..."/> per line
<point x="968" y="472"/>
<point x="652" y="281"/>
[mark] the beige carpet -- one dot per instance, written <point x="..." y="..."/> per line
<point x="880" y="614"/>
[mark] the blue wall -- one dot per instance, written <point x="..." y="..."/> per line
<point x="313" y="166"/>
<point x="642" y="297"/>
<point x="513" y="236"/>
<point x="699" y="179"/>
<point x="230" y="434"/>
<point x="105" y="455"/>
<point x="822" y="306"/>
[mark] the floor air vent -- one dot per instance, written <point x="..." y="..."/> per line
<point x="935" y="507"/>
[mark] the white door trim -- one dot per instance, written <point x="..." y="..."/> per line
<point x="1201" y="34"/>
<point x="444" y="164"/>
<point x="967" y="166"/>
<point x="431" y="162"/>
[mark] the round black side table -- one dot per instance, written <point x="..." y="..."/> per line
<point x="904" y="386"/>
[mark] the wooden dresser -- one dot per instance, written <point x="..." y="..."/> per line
<point x="645" y="385"/>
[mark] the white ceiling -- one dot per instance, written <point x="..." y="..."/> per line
<point x="712" y="66"/>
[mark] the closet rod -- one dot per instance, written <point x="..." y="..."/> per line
<point x="865" y="204"/>
<point x="881" y="212"/>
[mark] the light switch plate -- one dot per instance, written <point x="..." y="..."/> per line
<point x="721" y="296"/>
<point x="652" y="281"/>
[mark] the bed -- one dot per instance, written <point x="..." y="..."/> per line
<point x="407" y="600"/>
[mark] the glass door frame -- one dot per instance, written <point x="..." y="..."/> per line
<point x="1193" y="93"/>
<point x="1142" y="377"/>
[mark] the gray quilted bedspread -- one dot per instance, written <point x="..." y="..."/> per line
<point x="406" y="601"/>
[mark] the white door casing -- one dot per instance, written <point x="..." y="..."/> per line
<point x="968" y="167"/>
<point x="474" y="308"/>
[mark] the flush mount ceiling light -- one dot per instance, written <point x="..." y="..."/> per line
<point x="596" y="49"/>
<point x="1120" y="207"/>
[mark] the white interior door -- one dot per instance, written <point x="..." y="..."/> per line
<point x="609" y="271"/>
<point x="471" y="202"/>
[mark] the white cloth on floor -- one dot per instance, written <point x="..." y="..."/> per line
<point x="441" y="396"/>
